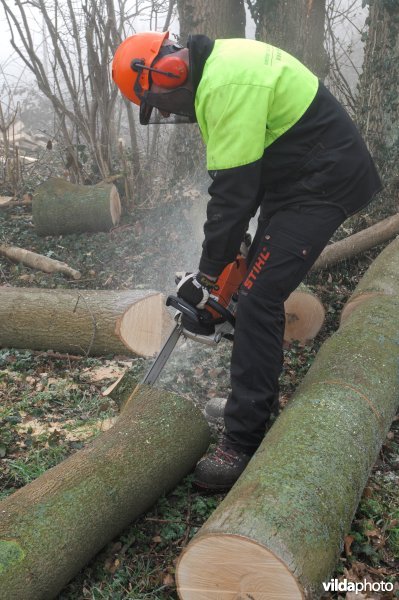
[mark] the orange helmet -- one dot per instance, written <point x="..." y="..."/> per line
<point x="144" y="49"/>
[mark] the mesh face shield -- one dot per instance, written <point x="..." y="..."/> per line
<point x="177" y="102"/>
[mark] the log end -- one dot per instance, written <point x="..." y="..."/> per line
<point x="143" y="325"/>
<point x="115" y="206"/>
<point x="232" y="567"/>
<point x="304" y="317"/>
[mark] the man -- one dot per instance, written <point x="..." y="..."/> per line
<point x="276" y="140"/>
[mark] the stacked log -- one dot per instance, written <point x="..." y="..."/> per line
<point x="60" y="207"/>
<point x="278" y="533"/>
<point x="53" y="526"/>
<point x="94" y="322"/>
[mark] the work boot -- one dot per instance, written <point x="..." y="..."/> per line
<point x="220" y="469"/>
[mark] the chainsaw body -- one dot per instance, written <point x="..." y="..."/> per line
<point x="208" y="325"/>
<point x="217" y="319"/>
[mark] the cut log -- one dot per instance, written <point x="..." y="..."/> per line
<point x="304" y="316"/>
<point x="279" y="531"/>
<point x="6" y="201"/>
<point x="38" y="261"/>
<point x="52" y="527"/>
<point x="83" y="321"/>
<point x="359" y="242"/>
<point x="60" y="207"/>
<point x="381" y="279"/>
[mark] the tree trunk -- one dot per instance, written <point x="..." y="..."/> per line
<point x="216" y="20"/>
<point x="37" y="261"/>
<point x="278" y="533"/>
<point x="295" y="26"/>
<point x="53" y="526"/>
<point x="83" y="321"/>
<point x="60" y="207"/>
<point x="378" y="107"/>
<point x="358" y="242"/>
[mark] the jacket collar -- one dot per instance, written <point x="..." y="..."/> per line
<point x="200" y="47"/>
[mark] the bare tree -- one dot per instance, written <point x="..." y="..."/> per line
<point x="345" y="24"/>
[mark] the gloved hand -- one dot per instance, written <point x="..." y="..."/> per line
<point x="194" y="288"/>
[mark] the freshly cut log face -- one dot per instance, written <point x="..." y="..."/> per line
<point x="83" y="321"/>
<point x="304" y="316"/>
<point x="234" y="568"/>
<point x="61" y="207"/>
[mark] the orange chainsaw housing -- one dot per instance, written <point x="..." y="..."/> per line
<point x="228" y="283"/>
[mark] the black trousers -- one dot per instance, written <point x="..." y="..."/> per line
<point x="285" y="247"/>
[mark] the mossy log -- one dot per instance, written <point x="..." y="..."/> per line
<point x="279" y="531"/>
<point x="60" y="207"/>
<point x="37" y="261"/>
<point x="53" y="526"/>
<point x="357" y="243"/>
<point x="95" y="322"/>
<point x="381" y="279"/>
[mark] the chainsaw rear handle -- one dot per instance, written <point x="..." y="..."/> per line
<point x="200" y="316"/>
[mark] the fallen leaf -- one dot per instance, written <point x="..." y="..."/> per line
<point x="347" y="544"/>
<point x="168" y="580"/>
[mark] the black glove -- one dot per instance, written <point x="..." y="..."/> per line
<point x="194" y="288"/>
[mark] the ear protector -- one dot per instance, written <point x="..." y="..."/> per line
<point x="169" y="71"/>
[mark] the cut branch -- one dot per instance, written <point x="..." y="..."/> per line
<point x="359" y="242"/>
<point x="38" y="261"/>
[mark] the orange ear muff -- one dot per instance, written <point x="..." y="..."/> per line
<point x="171" y="72"/>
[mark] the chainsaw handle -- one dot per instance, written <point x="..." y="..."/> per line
<point x="222" y="311"/>
<point x="197" y="315"/>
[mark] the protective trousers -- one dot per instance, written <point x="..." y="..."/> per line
<point x="285" y="247"/>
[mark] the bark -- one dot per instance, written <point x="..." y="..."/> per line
<point x="378" y="108"/>
<point x="214" y="19"/>
<point x="358" y="242"/>
<point x="278" y="533"/>
<point x="52" y="527"/>
<point x="60" y="207"/>
<point x="37" y="261"/>
<point x="295" y="26"/>
<point x="83" y="321"/>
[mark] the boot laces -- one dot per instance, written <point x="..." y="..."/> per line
<point x="225" y="455"/>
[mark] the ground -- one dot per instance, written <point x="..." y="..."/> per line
<point x="52" y="405"/>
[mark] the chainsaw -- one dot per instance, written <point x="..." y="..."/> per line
<point x="208" y="325"/>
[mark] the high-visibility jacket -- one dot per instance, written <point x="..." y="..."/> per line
<point x="250" y="93"/>
<point x="275" y="137"/>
